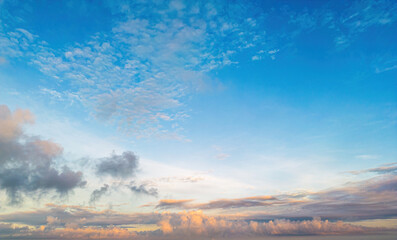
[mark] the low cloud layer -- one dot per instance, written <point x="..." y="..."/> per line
<point x="74" y="222"/>
<point x="28" y="164"/>
<point x="197" y="223"/>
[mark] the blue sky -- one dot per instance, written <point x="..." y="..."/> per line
<point x="217" y="100"/>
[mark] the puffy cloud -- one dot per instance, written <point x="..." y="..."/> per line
<point x="27" y="164"/>
<point x="119" y="166"/>
<point x="11" y="123"/>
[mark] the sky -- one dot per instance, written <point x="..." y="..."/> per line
<point x="198" y="119"/>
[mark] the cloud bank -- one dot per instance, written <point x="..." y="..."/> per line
<point x="71" y="222"/>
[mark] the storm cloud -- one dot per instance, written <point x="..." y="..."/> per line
<point x="28" y="164"/>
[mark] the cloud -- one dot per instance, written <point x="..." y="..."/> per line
<point x="217" y="204"/>
<point x="184" y="179"/>
<point x="195" y="223"/>
<point x="98" y="193"/>
<point x="222" y="156"/>
<point x="173" y="203"/>
<point x="27" y="164"/>
<point x="80" y="215"/>
<point x="11" y="123"/>
<point x="237" y="203"/>
<point x="247" y="202"/>
<point x="71" y="222"/>
<point x="367" y="157"/>
<point x="368" y="199"/>
<point x="386" y="169"/>
<point x="141" y="73"/>
<point x="143" y="189"/>
<point x="118" y="166"/>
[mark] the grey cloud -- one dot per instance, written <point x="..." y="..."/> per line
<point x="119" y="166"/>
<point x="255" y="201"/>
<point x="172" y="203"/>
<point x="98" y="193"/>
<point x="238" y="203"/>
<point x="27" y="164"/>
<point x="143" y="189"/>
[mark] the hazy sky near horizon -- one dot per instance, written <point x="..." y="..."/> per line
<point x="200" y="119"/>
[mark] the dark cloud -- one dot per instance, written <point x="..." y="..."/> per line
<point x="119" y="166"/>
<point x="27" y="164"/>
<point x="143" y="189"/>
<point x="98" y="193"/>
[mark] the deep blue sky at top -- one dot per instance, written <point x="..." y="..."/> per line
<point x="320" y="81"/>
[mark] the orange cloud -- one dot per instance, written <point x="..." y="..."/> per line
<point x="195" y="223"/>
<point x="73" y="222"/>
<point x="11" y="122"/>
